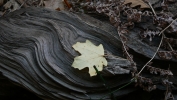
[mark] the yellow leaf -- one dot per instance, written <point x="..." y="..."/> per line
<point x="90" y="55"/>
<point x="137" y="3"/>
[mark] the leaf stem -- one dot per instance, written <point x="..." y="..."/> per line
<point x="118" y="89"/>
<point x="105" y="84"/>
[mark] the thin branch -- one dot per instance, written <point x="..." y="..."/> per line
<point x="169" y="44"/>
<point x="167" y="26"/>
<point x="4" y="13"/>
<point x="153" y="55"/>
<point x="22" y="4"/>
<point x="152" y="9"/>
<point x="124" y="46"/>
<point x="41" y="3"/>
<point x="67" y="4"/>
<point x="163" y="35"/>
<point x="160" y="41"/>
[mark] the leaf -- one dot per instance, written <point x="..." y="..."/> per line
<point x="54" y="4"/>
<point x="90" y="55"/>
<point x="11" y="4"/>
<point x="137" y="3"/>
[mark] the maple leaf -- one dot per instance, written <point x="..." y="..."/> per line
<point x="137" y="3"/>
<point x="91" y="55"/>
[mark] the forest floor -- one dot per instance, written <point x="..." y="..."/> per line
<point x="165" y="24"/>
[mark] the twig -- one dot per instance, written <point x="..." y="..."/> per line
<point x="4" y="13"/>
<point x="158" y="46"/>
<point x="167" y="26"/>
<point x="67" y="4"/>
<point x="152" y="9"/>
<point x="124" y="46"/>
<point x="41" y="3"/>
<point x="160" y="41"/>
<point x="166" y="93"/>
<point x="167" y="90"/>
<point x="153" y="55"/>
<point x="163" y="35"/>
<point x="169" y="44"/>
<point x="22" y="4"/>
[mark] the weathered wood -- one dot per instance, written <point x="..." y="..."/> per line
<point x="36" y="52"/>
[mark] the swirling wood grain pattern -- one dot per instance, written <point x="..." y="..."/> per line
<point x="36" y="52"/>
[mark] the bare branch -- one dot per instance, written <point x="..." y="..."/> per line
<point x="167" y="26"/>
<point x="153" y="55"/>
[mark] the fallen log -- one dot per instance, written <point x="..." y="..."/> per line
<point x="36" y="53"/>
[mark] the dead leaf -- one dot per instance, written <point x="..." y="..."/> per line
<point x="54" y="4"/>
<point x="137" y="3"/>
<point x="12" y="5"/>
<point x="91" y="55"/>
